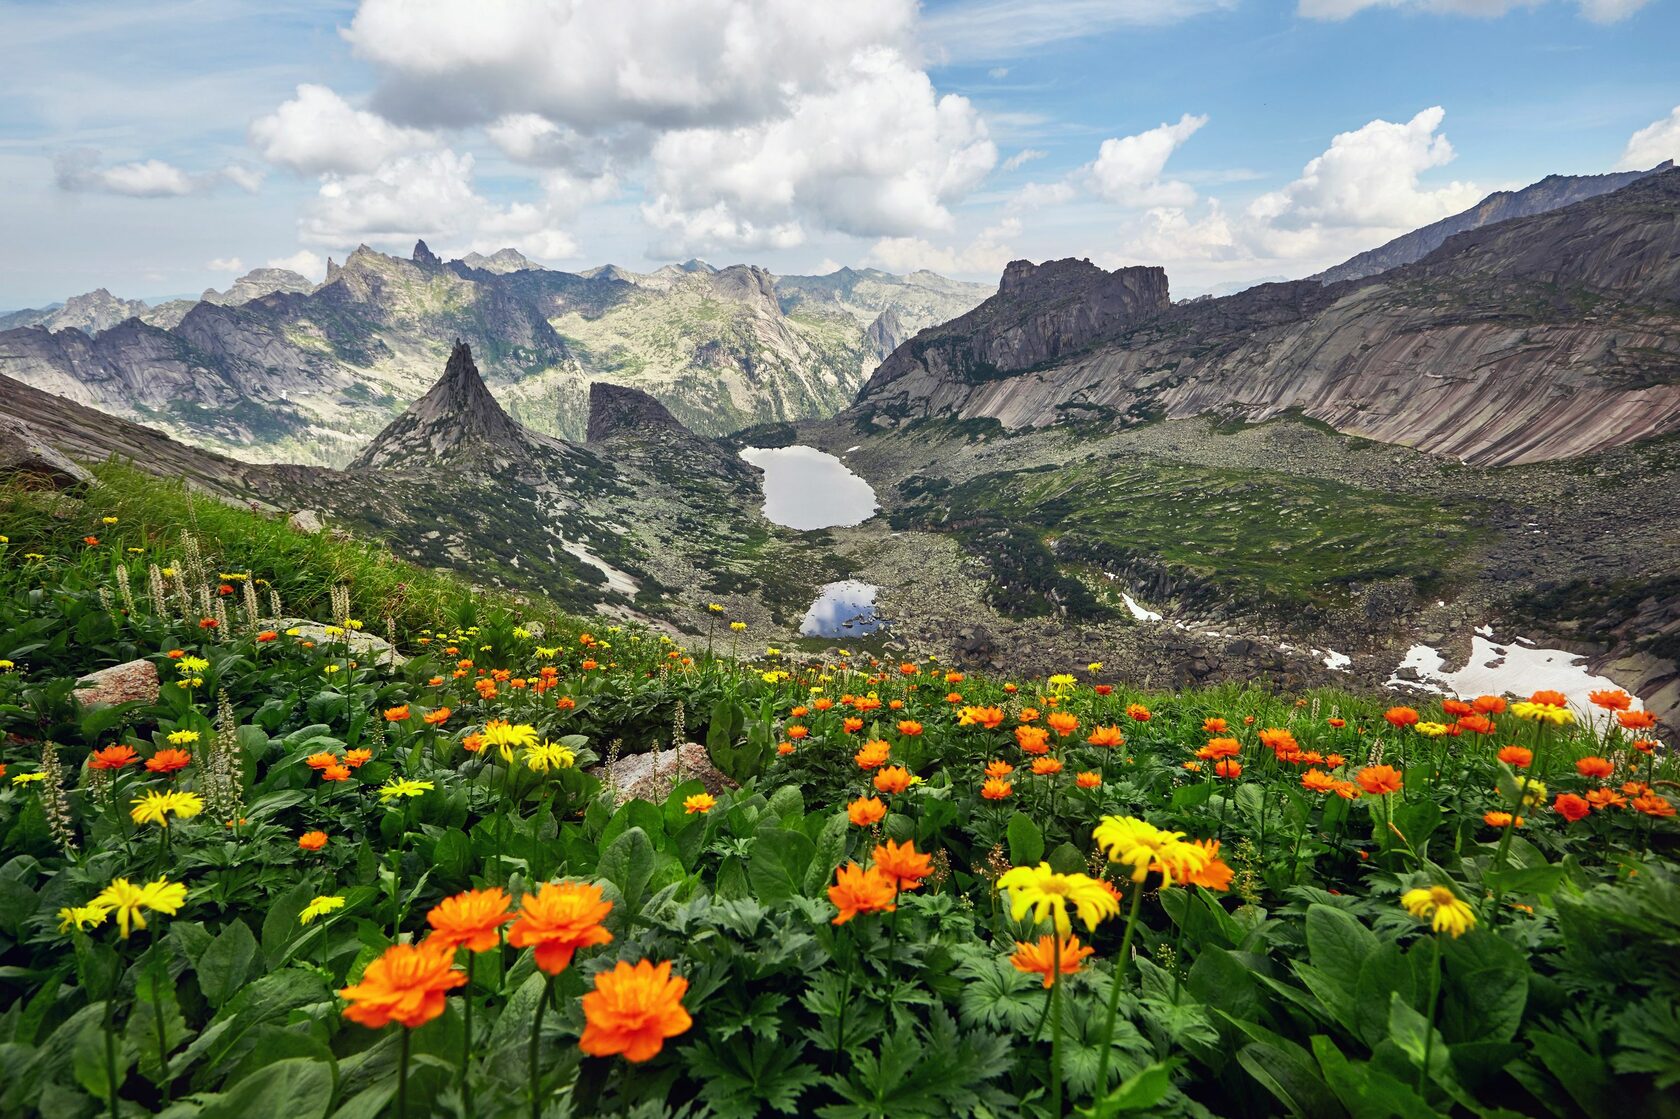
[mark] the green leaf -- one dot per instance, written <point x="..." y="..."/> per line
<point x="1540" y="881"/>
<point x="296" y="1088"/>
<point x="1192" y="795"/>
<point x="1067" y="859"/>
<point x="777" y="867"/>
<point x="1337" y="943"/>
<point x="1026" y="841"/>
<point x="223" y="966"/>
<point x="1367" y="1092"/>
<point x="1285" y="1071"/>
<point x="830" y="853"/>
<point x="1138" y="1092"/>
<point x="628" y="864"/>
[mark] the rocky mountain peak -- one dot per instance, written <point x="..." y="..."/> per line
<point x="886" y="334"/>
<point x="257" y="283"/>
<point x="457" y="417"/>
<point x="619" y="410"/>
<point x="425" y="257"/>
<point x="502" y="261"/>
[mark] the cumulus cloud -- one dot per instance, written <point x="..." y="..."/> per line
<point x="1598" y="11"/>
<point x="318" y="131"/>
<point x="1652" y="144"/>
<point x="311" y="266"/>
<point x="429" y="195"/>
<point x="80" y="171"/>
<point x="1022" y="158"/>
<point x="1127" y="170"/>
<point x="881" y="153"/>
<point x="985" y="255"/>
<point x="226" y="264"/>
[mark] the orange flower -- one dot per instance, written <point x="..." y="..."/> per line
<point x="1653" y="805"/>
<point x="1594" y="766"/>
<point x="312" y="840"/>
<point x="865" y="811"/>
<point x="851" y="725"/>
<point x="875" y="752"/>
<point x="892" y="779"/>
<point x="486" y="688"/>
<point x="796" y="732"/>
<point x="1379" y="780"/>
<point x="1215" y="875"/>
<point x="1606" y="798"/>
<point x="565" y="703"/>
<point x="321" y="760"/>
<point x="1045" y="766"/>
<point x="397" y="714"/>
<point x="1088" y="779"/>
<point x="559" y="919"/>
<point x="1334" y="761"/>
<point x="1105" y="736"/>
<point x="902" y="864"/>
<point x="1457" y="707"/>
<point x="1137" y="712"/>
<point x="1570" y="807"/>
<point x="1476" y="724"/>
<point x="1028" y="715"/>
<point x="999" y="768"/>
<point x="168" y="760"/>
<point x="822" y="704"/>
<point x="1214" y="725"/>
<point x="1612" y="700"/>
<point x="1282" y="742"/>
<point x="1489" y="704"/>
<point x="784" y="748"/>
<point x="1034" y="740"/>
<point x="1193" y="766"/>
<point x="1500" y="819"/>
<point x="473" y="743"/>
<point x="1636" y="720"/>
<point x="470" y="919"/>
<point x="1228" y="767"/>
<point x="335" y="773"/>
<point x="1062" y="723"/>
<point x="1519" y="756"/>
<point x="115" y="757"/>
<point x="266" y="636"/>
<point x="857" y="890"/>
<point x="1318" y="781"/>
<point x="1548" y="698"/>
<point x="996" y="788"/>
<point x="1635" y="788"/>
<point x="1219" y="748"/>
<point x="1040" y="958"/>
<point x="699" y="804"/>
<point x="355" y="759"/>
<point x="435" y="717"/>
<point x="1336" y="721"/>
<point x="988" y="717"/>
<point x="910" y="728"/>
<point x="406" y="984"/>
<point x="1401" y="716"/>
<point x="632" y="1010"/>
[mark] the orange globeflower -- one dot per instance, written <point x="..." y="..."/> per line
<point x="699" y="804"/>
<point x="1028" y="715"/>
<point x="999" y="768"/>
<point x="1500" y="819"/>
<point x="632" y="1010"/>
<point x="1379" y="780"/>
<point x="321" y="760"/>
<point x="1045" y="766"/>
<point x="473" y="743"/>
<point x="406" y="984"/>
<point x="987" y="717"/>
<point x="470" y="919"/>
<point x="1228" y="767"/>
<point x="559" y="919"/>
<point x="1594" y="766"/>
<point x="903" y="864"/>
<point x="1034" y="740"/>
<point x="1489" y="704"/>
<point x="857" y="890"/>
<point x="784" y="748"/>
<point x="865" y="811"/>
<point x="1282" y="742"/>
<point x="1318" y="781"/>
<point x="565" y="703"/>
<point x="1635" y="788"/>
<point x="1062" y="723"/>
<point x="1040" y="958"/>
<point x="1088" y="779"/>
<point x="1476" y="724"/>
<point x="1605" y="798"/>
<point x="1653" y="805"/>
<point x="435" y="717"/>
<point x="312" y="840"/>
<point x="1401" y="716"/>
<point x="1519" y="756"/>
<point x="875" y="752"/>
<point x="910" y="728"/>
<point x="336" y="773"/>
<point x="1214" y="725"/>
<point x="1636" y="720"/>
<point x="1548" y="698"/>
<point x="1570" y="807"/>
<point x="168" y="760"/>
<point x="355" y="759"/>
<point x="1219" y="748"/>
<point x="485" y="688"/>
<point x="114" y="757"/>
<point x="1457" y="707"/>
<point x="1214" y="874"/>
<point x="1137" y="712"/>
<point x="822" y="704"/>
<point x="796" y="732"/>
<point x="851" y="724"/>
<point x="1611" y="700"/>
<point x="996" y="788"/>
<point x="397" y="714"/>
<point x="1105" y="736"/>
<point x="892" y="779"/>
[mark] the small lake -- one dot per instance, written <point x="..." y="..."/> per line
<point x="806" y="489"/>
<point x="843" y="609"/>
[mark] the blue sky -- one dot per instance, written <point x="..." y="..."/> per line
<point x="161" y="148"/>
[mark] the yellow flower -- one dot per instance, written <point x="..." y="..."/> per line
<point x="1534" y="794"/>
<point x="1431" y="730"/>
<point x="1143" y="847"/>
<point x="320" y="907"/>
<point x="108" y="520"/>
<point x="507" y="737"/>
<point x="548" y="652"/>
<point x="521" y="632"/>
<point x="715" y="608"/>
<point x="82" y="917"/>
<point x="153" y="807"/>
<point x="1542" y="712"/>
<point x="329" y="669"/>
<point x="1441" y="908"/>
<point x="549" y="755"/>
<point x="27" y="778"/>
<point x="1062" y="680"/>
<point x="182" y="737"/>
<point x="1094" y="666"/>
<point x="1049" y="894"/>
<point x="187" y="666"/>
<point x="129" y="901"/>
<point x="404" y="787"/>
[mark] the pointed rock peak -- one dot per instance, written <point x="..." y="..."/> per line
<point x="426" y="257"/>
<point x="621" y="410"/>
<point x="455" y="418"/>
<point x="332" y="270"/>
<point x="695" y="264"/>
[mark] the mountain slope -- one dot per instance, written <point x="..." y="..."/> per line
<point x="1536" y="338"/>
<point x="1551" y="193"/>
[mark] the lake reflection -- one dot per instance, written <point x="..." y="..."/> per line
<point x="843" y="609"/>
<point x="805" y="488"/>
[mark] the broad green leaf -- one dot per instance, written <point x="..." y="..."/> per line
<point x="777" y="866"/>
<point x="830" y="853"/>
<point x="223" y="966"/>
<point x="1026" y="841"/>
<point x="296" y="1088"/>
<point x="628" y="864"/>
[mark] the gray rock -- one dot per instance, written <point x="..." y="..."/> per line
<point x="24" y="452"/>
<point x="121" y="683"/>
<point x="651" y="776"/>
<point x="306" y="520"/>
<point x="361" y="642"/>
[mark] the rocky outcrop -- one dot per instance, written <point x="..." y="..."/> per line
<point x="652" y="776"/>
<point x="501" y="262"/>
<point x="25" y="454"/>
<point x="130" y="682"/>
<point x="886" y="334"/>
<point x="617" y="410"/>
<point x="425" y="257"/>
<point x="257" y="283"/>
<point x="88" y="313"/>
<point x="1537" y="338"/>
<point x="1551" y="193"/>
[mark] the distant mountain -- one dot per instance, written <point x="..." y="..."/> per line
<point x="89" y="313"/>
<point x="1535" y="338"/>
<point x="1551" y="193"/>
<point x="276" y="368"/>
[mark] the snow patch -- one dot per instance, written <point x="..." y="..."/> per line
<point x="1513" y="669"/>
<point x="616" y="579"/>
<point x="1140" y="612"/>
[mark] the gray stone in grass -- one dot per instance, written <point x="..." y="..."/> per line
<point x="361" y="643"/>
<point x="306" y="520"/>
<point x="121" y="683"/>
<point x="651" y="776"/>
<point x="24" y="452"/>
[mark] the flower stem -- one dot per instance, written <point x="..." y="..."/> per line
<point x="402" y="1077"/>
<point x="163" y="1050"/>
<point x="1055" y="1023"/>
<point x="1429" y="1019"/>
<point x="110" y="1056"/>
<point x="1114" y="989"/>
<point x="467" y="1036"/>
<point x="531" y="1057"/>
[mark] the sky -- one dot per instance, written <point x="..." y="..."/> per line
<point x="160" y="148"/>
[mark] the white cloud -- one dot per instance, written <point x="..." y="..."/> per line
<point x="984" y="256"/>
<point x="1022" y="158"/>
<point x="318" y="131"/>
<point x="1127" y="171"/>
<point x="1598" y="11"/>
<point x="1652" y="144"/>
<point x="1368" y="178"/>
<point x="146" y="178"/>
<point x="998" y="72"/>
<point x="430" y="195"/>
<point x="880" y="153"/>
<point x="248" y="179"/>
<point x="994" y="29"/>
<point x="311" y="266"/>
<point x="226" y="264"/>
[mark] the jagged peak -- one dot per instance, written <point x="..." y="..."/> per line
<point x="620" y="409"/>
<point x="425" y="256"/>
<point x="457" y="415"/>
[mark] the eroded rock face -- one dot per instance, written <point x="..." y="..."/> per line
<point x="652" y="776"/>
<point x="24" y="452"/>
<point x="1540" y="338"/>
<point x="615" y="410"/>
<point x="121" y="683"/>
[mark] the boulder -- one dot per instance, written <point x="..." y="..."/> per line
<point x="23" y="451"/>
<point x="121" y="683"/>
<point x="361" y="643"/>
<point x="651" y="776"/>
<point x="306" y="520"/>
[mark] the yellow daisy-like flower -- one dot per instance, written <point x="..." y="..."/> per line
<point x="738" y="627"/>
<point x="508" y="737"/>
<point x="187" y="666"/>
<point x="1534" y="794"/>
<point x="549" y="755"/>
<point x="404" y="787"/>
<point x="1542" y="713"/>
<point x="320" y="907"/>
<point x="1431" y="730"/>
<point x="182" y="737"/>
<point x="153" y="807"/>
<point x="129" y="901"/>
<point x="1442" y="908"/>
<point x="28" y="778"/>
<point x="82" y="917"/>
<point x="1062" y="680"/>
<point x="1143" y="847"/>
<point x="1049" y="895"/>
